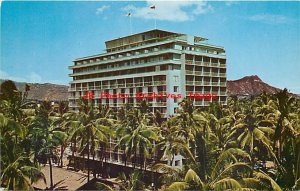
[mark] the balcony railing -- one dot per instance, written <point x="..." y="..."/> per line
<point x="114" y="86"/>
<point x="205" y="63"/>
<point x="160" y="104"/>
<point x="198" y="83"/>
<point x="198" y="102"/>
<point x="206" y="103"/>
<point x="189" y="82"/>
<point x="222" y="83"/>
<point x="215" y="74"/>
<point x="148" y="83"/>
<point x="71" y="89"/>
<point x="158" y="83"/>
<point x="189" y="62"/>
<point x="206" y="83"/>
<point x="198" y="63"/>
<point x="189" y="72"/>
<point x="139" y="84"/>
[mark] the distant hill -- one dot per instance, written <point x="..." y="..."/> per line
<point x="246" y="86"/>
<point x="249" y="85"/>
<point x="46" y="91"/>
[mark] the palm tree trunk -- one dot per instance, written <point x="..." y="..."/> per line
<point x="173" y="156"/>
<point x="61" y="155"/>
<point x="145" y="166"/>
<point x="252" y="163"/>
<point x="141" y="161"/>
<point x="94" y="172"/>
<point x="88" y="159"/>
<point x="74" y="150"/>
<point x="51" y="175"/>
<point x="297" y="174"/>
<point x="125" y="159"/>
<point x="104" y="153"/>
<point x="134" y="163"/>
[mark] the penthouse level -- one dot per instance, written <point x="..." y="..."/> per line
<point x="154" y="61"/>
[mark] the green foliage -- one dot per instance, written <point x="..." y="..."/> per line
<point x="250" y="144"/>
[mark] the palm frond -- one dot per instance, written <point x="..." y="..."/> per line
<point x="177" y="186"/>
<point x="226" y="184"/>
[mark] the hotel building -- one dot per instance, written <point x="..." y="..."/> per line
<point x="156" y="62"/>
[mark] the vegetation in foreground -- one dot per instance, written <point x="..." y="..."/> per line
<point x="248" y="144"/>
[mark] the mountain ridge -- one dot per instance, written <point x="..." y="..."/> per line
<point x="246" y="86"/>
<point x="249" y="86"/>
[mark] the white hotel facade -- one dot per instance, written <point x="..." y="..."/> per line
<point x="152" y="62"/>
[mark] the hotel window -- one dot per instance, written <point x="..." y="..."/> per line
<point x="176" y="78"/>
<point x="176" y="67"/>
<point x="161" y="88"/>
<point x="139" y="90"/>
<point x="176" y="56"/>
<point x="175" y="88"/>
<point x="163" y="67"/>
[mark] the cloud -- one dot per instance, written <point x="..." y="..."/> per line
<point x="102" y="9"/>
<point x="31" y="78"/>
<point x="229" y="3"/>
<point x="176" y="11"/>
<point x="270" y="19"/>
<point x="34" y="77"/>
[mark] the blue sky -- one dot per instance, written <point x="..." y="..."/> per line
<point x="39" y="40"/>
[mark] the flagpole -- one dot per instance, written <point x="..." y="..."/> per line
<point x="130" y="24"/>
<point x="154" y="13"/>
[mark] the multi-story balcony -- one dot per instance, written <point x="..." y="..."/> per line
<point x="140" y="65"/>
<point x="201" y="63"/>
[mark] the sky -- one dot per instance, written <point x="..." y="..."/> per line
<point x="39" y="40"/>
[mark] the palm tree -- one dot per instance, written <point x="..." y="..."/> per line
<point x="18" y="171"/>
<point x="251" y="136"/>
<point x="136" y="136"/>
<point x="170" y="143"/>
<point x="284" y="103"/>
<point x="45" y="136"/>
<point x="60" y="121"/>
<point x="229" y="173"/>
<point x="131" y="183"/>
<point x="91" y="130"/>
<point x="12" y="101"/>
